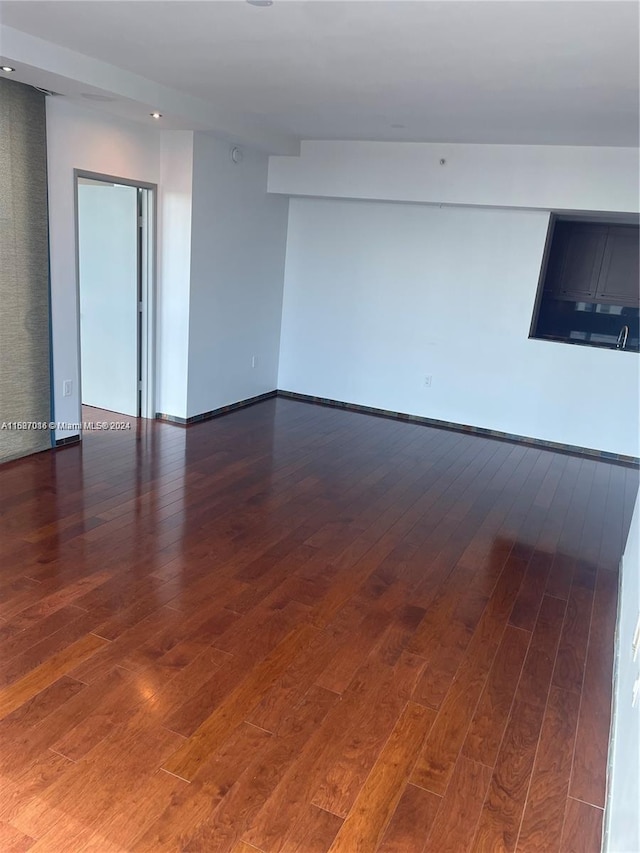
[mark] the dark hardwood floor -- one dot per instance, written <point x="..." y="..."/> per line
<point x="296" y="628"/>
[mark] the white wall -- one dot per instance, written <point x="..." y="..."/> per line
<point x="82" y="138"/>
<point x="79" y="138"/>
<point x="378" y="295"/>
<point x="174" y="272"/>
<point x="237" y="268"/>
<point x="221" y="245"/>
<point x="623" y="813"/>
<point x="547" y="177"/>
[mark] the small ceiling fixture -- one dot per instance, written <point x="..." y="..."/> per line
<point x="260" y="3"/>
<point x="155" y="115"/>
<point x="7" y="69"/>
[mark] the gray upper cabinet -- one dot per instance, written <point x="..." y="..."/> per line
<point x="582" y="255"/>
<point x="619" y="281"/>
<point x="595" y="263"/>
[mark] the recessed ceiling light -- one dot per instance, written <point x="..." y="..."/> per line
<point x="261" y="3"/>
<point x="7" y="68"/>
<point x="155" y="115"/>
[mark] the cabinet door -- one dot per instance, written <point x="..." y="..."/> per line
<point x="557" y="251"/>
<point x="584" y="251"/>
<point x="619" y="277"/>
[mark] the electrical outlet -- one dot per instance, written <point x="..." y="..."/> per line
<point x="67" y="388"/>
<point x="254" y="361"/>
<point x="427" y="381"/>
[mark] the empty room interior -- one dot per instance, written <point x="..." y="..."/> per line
<point x="319" y="426"/>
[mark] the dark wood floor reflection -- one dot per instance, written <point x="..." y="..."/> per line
<point x="302" y="629"/>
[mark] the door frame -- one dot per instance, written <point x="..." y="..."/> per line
<point x="148" y="266"/>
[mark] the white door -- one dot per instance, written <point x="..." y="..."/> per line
<point x="108" y="265"/>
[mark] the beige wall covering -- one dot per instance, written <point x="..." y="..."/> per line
<point x="25" y="391"/>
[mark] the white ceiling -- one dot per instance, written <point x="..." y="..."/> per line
<point x="541" y="72"/>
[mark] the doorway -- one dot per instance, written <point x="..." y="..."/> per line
<point x="115" y="250"/>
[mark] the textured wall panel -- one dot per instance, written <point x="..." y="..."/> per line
<point x="25" y="384"/>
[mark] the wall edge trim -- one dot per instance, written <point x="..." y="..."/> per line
<point x="215" y="413"/>
<point x="573" y="450"/>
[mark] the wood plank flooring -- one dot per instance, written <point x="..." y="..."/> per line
<point x="296" y="628"/>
